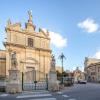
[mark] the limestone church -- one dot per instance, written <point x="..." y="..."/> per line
<point x="32" y="49"/>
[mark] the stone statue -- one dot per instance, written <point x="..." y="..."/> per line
<point x="13" y="60"/>
<point x="30" y="15"/>
<point x="53" y="84"/>
<point x="14" y="84"/>
<point x="53" y="61"/>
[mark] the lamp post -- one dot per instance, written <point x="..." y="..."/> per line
<point x="62" y="57"/>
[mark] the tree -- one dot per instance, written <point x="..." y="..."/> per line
<point x="62" y="57"/>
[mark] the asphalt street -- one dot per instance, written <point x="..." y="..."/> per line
<point x="89" y="91"/>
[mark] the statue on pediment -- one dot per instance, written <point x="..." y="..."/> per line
<point x="53" y="61"/>
<point x="30" y="15"/>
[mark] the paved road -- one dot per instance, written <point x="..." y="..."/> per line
<point x="77" y="92"/>
<point x="89" y="91"/>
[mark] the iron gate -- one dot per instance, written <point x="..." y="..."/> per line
<point x="30" y="82"/>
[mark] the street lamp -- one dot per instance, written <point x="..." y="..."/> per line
<point x="62" y="57"/>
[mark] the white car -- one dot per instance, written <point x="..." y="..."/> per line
<point x="82" y="81"/>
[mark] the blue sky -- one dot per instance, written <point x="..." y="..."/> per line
<point x="73" y="23"/>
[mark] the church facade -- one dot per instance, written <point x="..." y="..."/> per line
<point x="32" y="49"/>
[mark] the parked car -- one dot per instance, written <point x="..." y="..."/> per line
<point x="82" y="81"/>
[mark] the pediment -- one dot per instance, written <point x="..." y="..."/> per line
<point x="30" y="60"/>
<point x="43" y="34"/>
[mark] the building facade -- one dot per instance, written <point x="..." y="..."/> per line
<point x="32" y="49"/>
<point x="92" y="69"/>
<point x="2" y="64"/>
<point x="78" y="75"/>
<point x="59" y="69"/>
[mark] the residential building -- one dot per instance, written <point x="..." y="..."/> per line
<point x="78" y="75"/>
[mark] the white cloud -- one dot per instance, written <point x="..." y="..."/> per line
<point x="97" y="55"/>
<point x="89" y="25"/>
<point x="57" y="39"/>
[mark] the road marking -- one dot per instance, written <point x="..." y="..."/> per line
<point x="35" y="92"/>
<point x="59" y="92"/>
<point x="45" y="99"/>
<point x="65" y="96"/>
<point x="72" y="99"/>
<point x="4" y="95"/>
<point x="34" y="95"/>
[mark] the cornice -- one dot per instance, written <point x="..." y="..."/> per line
<point x="26" y="47"/>
<point x="39" y="49"/>
<point x="93" y="65"/>
<point x="16" y="45"/>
